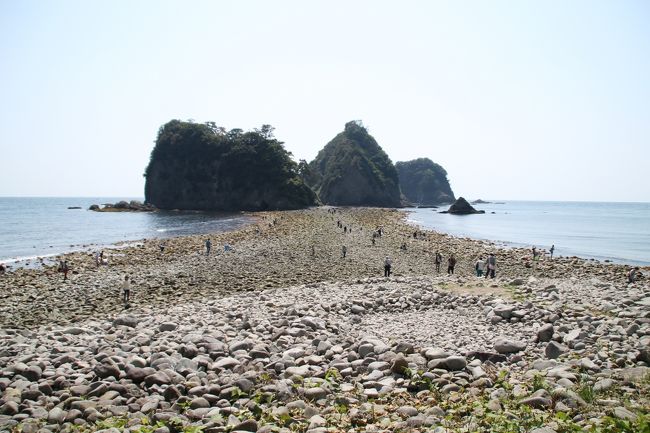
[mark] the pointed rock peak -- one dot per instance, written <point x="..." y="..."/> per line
<point x="353" y="170"/>
<point x="462" y="207"/>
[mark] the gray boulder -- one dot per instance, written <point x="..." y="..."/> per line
<point x="129" y="321"/>
<point x="505" y="345"/>
<point x="554" y="350"/>
<point x="545" y="333"/>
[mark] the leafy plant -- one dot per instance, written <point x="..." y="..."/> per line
<point x="586" y="390"/>
<point x="540" y="383"/>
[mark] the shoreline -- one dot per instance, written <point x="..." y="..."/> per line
<point x="506" y="245"/>
<point x="609" y="232"/>
<point x="38" y="261"/>
<point x="265" y="256"/>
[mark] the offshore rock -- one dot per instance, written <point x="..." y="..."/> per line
<point x="123" y="206"/>
<point x="462" y="207"/>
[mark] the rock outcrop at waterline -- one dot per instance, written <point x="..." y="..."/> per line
<point x="462" y="207"/>
<point x="424" y="182"/>
<point x="353" y="170"/>
<point x="123" y="206"/>
<point x="204" y="167"/>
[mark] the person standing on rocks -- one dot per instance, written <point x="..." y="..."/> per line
<point x="480" y="267"/>
<point x="387" y="265"/>
<point x="63" y="267"/>
<point x="126" y="289"/>
<point x="451" y="264"/>
<point x="631" y="276"/>
<point x="344" y="251"/>
<point x="208" y="246"/>
<point x="491" y="266"/>
<point x="99" y="258"/>
<point x="438" y="261"/>
<point x="552" y="250"/>
<point x="536" y="255"/>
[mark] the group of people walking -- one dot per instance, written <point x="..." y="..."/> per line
<point x="488" y="266"/>
<point x="482" y="266"/>
<point x="208" y="247"/>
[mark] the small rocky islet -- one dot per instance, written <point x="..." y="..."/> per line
<point x="284" y="334"/>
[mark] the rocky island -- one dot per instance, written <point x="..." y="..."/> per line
<point x="353" y="170"/>
<point x="204" y="167"/>
<point x="424" y="183"/>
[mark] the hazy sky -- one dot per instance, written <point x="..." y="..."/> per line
<point x="516" y="99"/>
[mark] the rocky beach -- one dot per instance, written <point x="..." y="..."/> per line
<point x="283" y="333"/>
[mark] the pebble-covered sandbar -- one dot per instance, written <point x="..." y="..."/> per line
<point x="283" y="333"/>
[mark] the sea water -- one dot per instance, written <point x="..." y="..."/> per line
<point x="619" y="232"/>
<point x="45" y="227"/>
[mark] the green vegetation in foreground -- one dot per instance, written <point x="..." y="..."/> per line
<point x="459" y="412"/>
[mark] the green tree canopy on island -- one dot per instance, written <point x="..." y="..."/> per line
<point x="205" y="167"/>
<point x="422" y="181"/>
<point x="353" y="170"/>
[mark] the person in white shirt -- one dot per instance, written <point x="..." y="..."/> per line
<point x="126" y="289"/>
<point x="480" y="267"/>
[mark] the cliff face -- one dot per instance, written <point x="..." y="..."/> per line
<point x="353" y="170"/>
<point x="204" y="167"/>
<point x="424" y="182"/>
